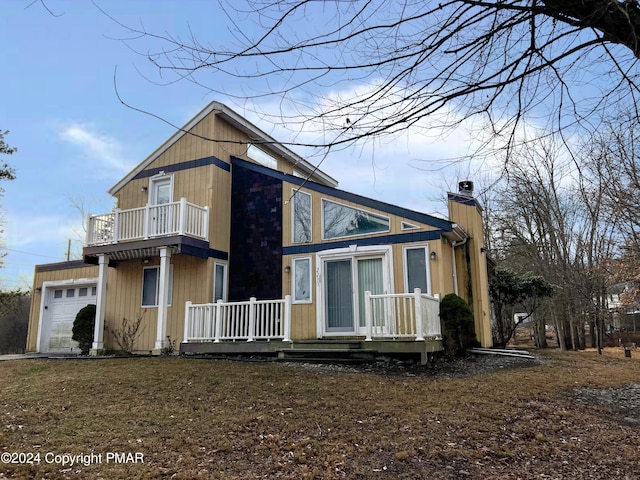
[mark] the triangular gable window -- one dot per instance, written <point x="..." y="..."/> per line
<point x="409" y="226"/>
<point x="343" y="221"/>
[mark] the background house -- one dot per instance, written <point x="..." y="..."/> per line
<point x="203" y="221"/>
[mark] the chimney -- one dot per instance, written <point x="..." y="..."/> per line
<point x="466" y="188"/>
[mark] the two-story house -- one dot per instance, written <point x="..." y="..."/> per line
<point x="228" y="242"/>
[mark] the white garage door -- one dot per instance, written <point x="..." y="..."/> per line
<point x="63" y="305"/>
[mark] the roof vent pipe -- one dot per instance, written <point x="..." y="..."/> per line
<point x="466" y="187"/>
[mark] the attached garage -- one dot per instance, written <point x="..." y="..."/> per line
<point x="55" y="303"/>
<point x="60" y="307"/>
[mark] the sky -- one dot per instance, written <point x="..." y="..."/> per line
<point x="75" y="139"/>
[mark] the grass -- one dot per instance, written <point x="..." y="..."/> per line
<point x="231" y="420"/>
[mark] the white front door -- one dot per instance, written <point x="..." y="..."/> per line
<point x="161" y="212"/>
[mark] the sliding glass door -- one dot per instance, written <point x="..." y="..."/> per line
<point x="346" y="280"/>
<point x="338" y="296"/>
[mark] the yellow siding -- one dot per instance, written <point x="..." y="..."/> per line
<point x="89" y="271"/>
<point x="470" y="218"/>
<point x="192" y="281"/>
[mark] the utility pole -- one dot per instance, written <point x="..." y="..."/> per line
<point x="68" y="249"/>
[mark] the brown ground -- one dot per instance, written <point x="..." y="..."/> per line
<point x="564" y="416"/>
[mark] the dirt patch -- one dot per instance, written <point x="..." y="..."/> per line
<point x="442" y="367"/>
<point x="623" y="402"/>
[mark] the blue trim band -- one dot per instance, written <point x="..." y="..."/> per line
<point x="436" y="222"/>
<point x="177" y="167"/>
<point x="363" y="242"/>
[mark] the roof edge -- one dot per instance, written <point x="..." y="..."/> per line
<point x="237" y="121"/>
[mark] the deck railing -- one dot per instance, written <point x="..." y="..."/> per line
<point x="402" y="315"/>
<point x="175" y="218"/>
<point x="250" y="320"/>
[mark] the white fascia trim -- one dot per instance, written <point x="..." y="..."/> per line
<point x="43" y="297"/>
<point x="254" y="133"/>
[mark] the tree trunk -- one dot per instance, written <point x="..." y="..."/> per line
<point x="540" y="332"/>
<point x="582" y="334"/>
<point x="572" y="331"/>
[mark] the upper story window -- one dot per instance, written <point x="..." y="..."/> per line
<point x="262" y="157"/>
<point x="301" y="217"/>
<point x="409" y="226"/>
<point x="343" y="221"/>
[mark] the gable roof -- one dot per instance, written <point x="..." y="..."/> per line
<point x="242" y="124"/>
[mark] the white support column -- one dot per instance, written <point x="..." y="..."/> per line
<point x="101" y="297"/>
<point x="147" y="222"/>
<point x="182" y="220"/>
<point x="205" y="224"/>
<point x="368" y="321"/>
<point x="163" y="298"/>
<point x="187" y="330"/>
<point x="287" y="318"/>
<point x="418" y="301"/>
<point x="116" y="226"/>
<point x="252" y="318"/>
<point x="218" y="325"/>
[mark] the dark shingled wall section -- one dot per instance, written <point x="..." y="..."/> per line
<point x="255" y="257"/>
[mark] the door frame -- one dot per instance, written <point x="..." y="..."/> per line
<point x="154" y="182"/>
<point x="353" y="252"/>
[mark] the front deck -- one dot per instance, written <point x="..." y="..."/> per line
<point x="396" y="325"/>
<point x="321" y="350"/>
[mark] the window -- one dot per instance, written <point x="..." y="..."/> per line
<point x="262" y="157"/>
<point x="220" y="282"/>
<point x="57" y="294"/>
<point x="151" y="286"/>
<point x="71" y="292"/>
<point x="409" y="226"/>
<point x="301" y="217"/>
<point x="343" y="221"/>
<point x="416" y="269"/>
<point x="93" y="291"/>
<point x="302" y="280"/>
<point x="82" y="292"/>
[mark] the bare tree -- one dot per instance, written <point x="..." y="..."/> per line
<point x="349" y="71"/>
<point x="557" y="220"/>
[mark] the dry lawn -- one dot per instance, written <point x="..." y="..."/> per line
<point x="206" y="419"/>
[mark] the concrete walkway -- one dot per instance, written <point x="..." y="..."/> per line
<point x="27" y="356"/>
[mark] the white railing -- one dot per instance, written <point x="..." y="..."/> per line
<point x="250" y="320"/>
<point x="402" y="315"/>
<point x="176" y="218"/>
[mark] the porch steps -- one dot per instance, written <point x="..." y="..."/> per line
<point x="327" y="351"/>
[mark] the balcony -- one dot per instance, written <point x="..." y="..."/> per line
<point x="151" y="221"/>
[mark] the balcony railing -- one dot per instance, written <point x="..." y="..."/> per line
<point x="402" y="315"/>
<point x="250" y="320"/>
<point x="150" y="221"/>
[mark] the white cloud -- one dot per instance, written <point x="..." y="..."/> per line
<point x="96" y="145"/>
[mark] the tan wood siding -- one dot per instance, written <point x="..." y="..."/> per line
<point x="469" y="217"/>
<point x="303" y="315"/>
<point x="192" y="281"/>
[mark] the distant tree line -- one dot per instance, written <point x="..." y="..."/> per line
<point x="14" y="321"/>
<point x="574" y="220"/>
